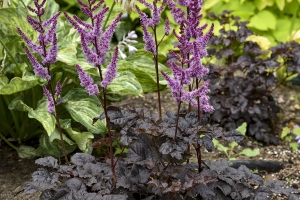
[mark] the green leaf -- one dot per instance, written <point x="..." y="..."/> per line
<point x="18" y="104"/>
<point x="219" y="146"/>
<point x="82" y="139"/>
<point x="296" y="131"/>
<point x="232" y="145"/>
<point x="264" y="20"/>
<point x="261" y="4"/>
<point x="209" y="3"/>
<point x="280" y="4"/>
<point x="27" y="152"/>
<point x="242" y="128"/>
<point x="249" y="152"/>
<point x="17" y="84"/>
<point x="294" y="146"/>
<point x="48" y="148"/>
<point x="83" y="108"/>
<point x="285" y="132"/>
<point x="43" y="116"/>
<point x="144" y="70"/>
<point x="124" y="84"/>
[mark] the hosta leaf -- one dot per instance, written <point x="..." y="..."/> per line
<point x="144" y="74"/>
<point x="18" y="104"/>
<point x="83" y="108"/>
<point x="82" y="139"/>
<point x="16" y="84"/>
<point x="48" y="148"/>
<point x="43" y="116"/>
<point x="124" y="84"/>
<point x="27" y="152"/>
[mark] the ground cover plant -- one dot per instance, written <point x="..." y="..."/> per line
<point x="156" y="165"/>
<point x="243" y="79"/>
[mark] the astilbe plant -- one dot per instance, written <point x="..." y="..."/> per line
<point x="155" y="165"/>
<point x="95" y="44"/>
<point x="47" y="49"/>
<point x="152" y="42"/>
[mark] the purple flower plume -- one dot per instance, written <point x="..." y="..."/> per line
<point x="111" y="72"/>
<point x="167" y="26"/>
<point x="58" y="89"/>
<point x="191" y="53"/>
<point x="175" y="86"/>
<point x="38" y="69"/>
<point x="94" y="42"/>
<point x="146" y="22"/>
<point x="86" y="81"/>
<point x="50" y="101"/>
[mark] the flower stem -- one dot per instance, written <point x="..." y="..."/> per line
<point x="57" y="120"/>
<point x="111" y="153"/>
<point x="110" y="11"/>
<point x="155" y="57"/>
<point x="53" y="97"/>
<point x="177" y="120"/>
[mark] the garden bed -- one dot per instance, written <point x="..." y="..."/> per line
<point x="14" y="172"/>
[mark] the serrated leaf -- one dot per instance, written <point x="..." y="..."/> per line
<point x="47" y="162"/>
<point x="249" y="152"/>
<point x="43" y="116"/>
<point x="285" y="132"/>
<point x="83" y="108"/>
<point x="233" y="135"/>
<point x="81" y="159"/>
<point x="114" y="197"/>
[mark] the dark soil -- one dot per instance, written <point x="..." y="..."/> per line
<point x="14" y="172"/>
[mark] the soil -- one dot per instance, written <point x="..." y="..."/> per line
<point x="15" y="172"/>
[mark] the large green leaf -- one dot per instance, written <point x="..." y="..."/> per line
<point x="261" y="4"/>
<point x="17" y="84"/>
<point x="264" y="20"/>
<point x="82" y="139"/>
<point x="11" y="19"/>
<point x="27" y="152"/>
<point x="83" y="108"/>
<point x="43" y="116"/>
<point x="145" y="75"/>
<point x="18" y="104"/>
<point x="125" y="84"/>
<point x="53" y="148"/>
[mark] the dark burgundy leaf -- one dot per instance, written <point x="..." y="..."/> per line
<point x="233" y="135"/>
